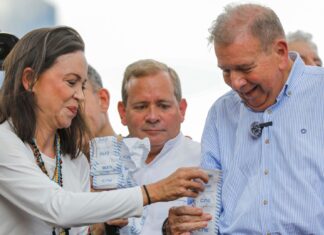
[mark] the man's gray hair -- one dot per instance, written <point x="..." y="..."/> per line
<point x="257" y="20"/>
<point x="94" y="78"/>
<point x="301" y="36"/>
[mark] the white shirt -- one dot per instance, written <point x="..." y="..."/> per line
<point x="30" y="203"/>
<point x="178" y="152"/>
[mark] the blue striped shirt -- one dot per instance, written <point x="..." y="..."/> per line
<point x="273" y="184"/>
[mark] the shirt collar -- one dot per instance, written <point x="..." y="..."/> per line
<point x="170" y="143"/>
<point x="294" y="75"/>
<point x="167" y="147"/>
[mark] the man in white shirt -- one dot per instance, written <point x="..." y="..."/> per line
<point x="96" y="104"/>
<point x="152" y="106"/>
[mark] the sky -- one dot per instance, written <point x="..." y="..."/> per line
<point x="119" y="32"/>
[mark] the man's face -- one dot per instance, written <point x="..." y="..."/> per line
<point x="152" y="109"/>
<point x="306" y="52"/>
<point x="94" y="112"/>
<point x="256" y="76"/>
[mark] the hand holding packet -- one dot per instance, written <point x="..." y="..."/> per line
<point x="209" y="200"/>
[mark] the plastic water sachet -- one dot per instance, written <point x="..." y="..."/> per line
<point x="210" y="201"/>
<point x="113" y="160"/>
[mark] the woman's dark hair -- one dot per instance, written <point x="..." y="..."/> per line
<point x="38" y="50"/>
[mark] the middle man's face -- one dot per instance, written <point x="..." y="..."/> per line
<point x="152" y="109"/>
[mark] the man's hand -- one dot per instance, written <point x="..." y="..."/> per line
<point x="185" y="219"/>
<point x="118" y="222"/>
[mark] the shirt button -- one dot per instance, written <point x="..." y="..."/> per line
<point x="266" y="171"/>
<point x="268" y="233"/>
<point x="269" y="111"/>
<point x="265" y="202"/>
<point x="267" y="141"/>
<point x="289" y="93"/>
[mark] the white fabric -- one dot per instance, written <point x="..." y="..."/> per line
<point x="2" y="75"/>
<point x="178" y="152"/>
<point x="30" y="203"/>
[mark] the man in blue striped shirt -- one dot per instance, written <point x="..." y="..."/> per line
<point x="266" y="135"/>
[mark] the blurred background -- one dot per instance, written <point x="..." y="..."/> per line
<point x="175" y="32"/>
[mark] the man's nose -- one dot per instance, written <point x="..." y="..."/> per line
<point x="237" y="80"/>
<point x="152" y="114"/>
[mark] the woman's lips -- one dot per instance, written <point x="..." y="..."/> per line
<point x="74" y="110"/>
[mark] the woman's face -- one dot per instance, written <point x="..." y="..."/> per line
<point x="59" y="91"/>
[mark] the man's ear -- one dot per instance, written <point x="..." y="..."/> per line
<point x="27" y="78"/>
<point x="122" y="113"/>
<point x="183" y="108"/>
<point x="104" y="99"/>
<point x="281" y="50"/>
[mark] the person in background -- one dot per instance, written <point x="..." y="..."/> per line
<point x="96" y="106"/>
<point x="152" y="106"/>
<point x="302" y="43"/>
<point x="266" y="135"/>
<point x="44" y="177"/>
<point x="7" y="42"/>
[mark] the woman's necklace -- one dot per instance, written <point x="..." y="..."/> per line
<point x="57" y="176"/>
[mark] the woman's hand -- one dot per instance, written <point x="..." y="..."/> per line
<point x="184" y="182"/>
